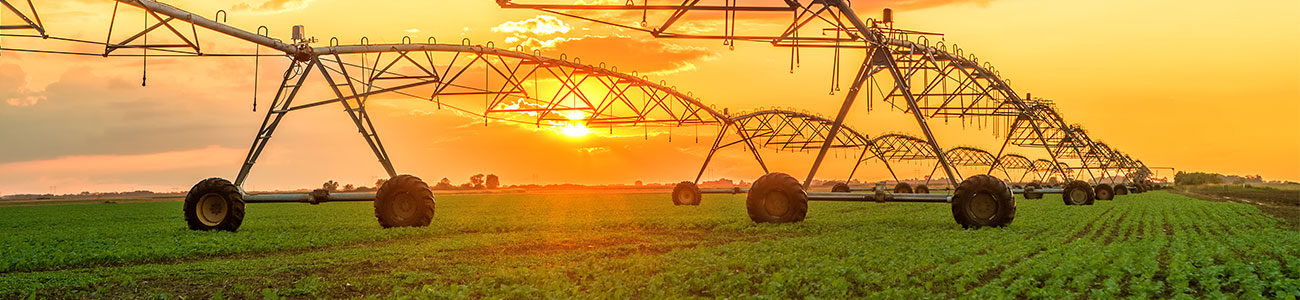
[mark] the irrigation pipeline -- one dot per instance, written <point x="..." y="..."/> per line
<point x="1029" y="122"/>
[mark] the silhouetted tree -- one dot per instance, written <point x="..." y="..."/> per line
<point x="380" y="182"/>
<point x="444" y="184"/>
<point x="1197" y="178"/>
<point x="493" y="181"/>
<point x="476" y="181"/>
<point x="349" y="187"/>
<point x="330" y="186"/>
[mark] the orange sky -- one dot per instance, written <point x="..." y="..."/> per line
<point x="1195" y="85"/>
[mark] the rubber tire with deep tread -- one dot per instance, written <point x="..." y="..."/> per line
<point x="1088" y="195"/>
<point x="688" y="190"/>
<point x="922" y="189"/>
<point x="1037" y="191"/>
<point x="1104" y="192"/>
<point x="902" y="188"/>
<point x="1120" y="189"/>
<point x="841" y="187"/>
<point x="983" y="185"/>
<point x="228" y="192"/>
<point x="776" y="186"/>
<point x="408" y="190"/>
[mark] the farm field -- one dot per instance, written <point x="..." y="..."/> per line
<point x="526" y="246"/>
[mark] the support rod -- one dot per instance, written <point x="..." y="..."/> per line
<point x="213" y="25"/>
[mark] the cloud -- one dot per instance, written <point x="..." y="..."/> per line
<point x="540" y="25"/>
<point x="590" y="150"/>
<point x="536" y="33"/>
<point x="710" y="22"/>
<point x="83" y="113"/>
<point x="124" y="164"/>
<point x="162" y="171"/>
<point x="641" y="53"/>
<point x="273" y="6"/>
<point x="13" y="87"/>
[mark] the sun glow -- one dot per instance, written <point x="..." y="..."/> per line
<point x="574" y="128"/>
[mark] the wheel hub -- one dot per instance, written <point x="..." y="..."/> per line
<point x="211" y="209"/>
<point x="1077" y="196"/>
<point x="776" y="203"/>
<point x="983" y="206"/>
<point x="685" y="197"/>
<point x="403" y="206"/>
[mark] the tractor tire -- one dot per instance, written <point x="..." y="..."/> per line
<point x="404" y="201"/>
<point x="1036" y="194"/>
<point x="1138" y="188"/>
<point x="1104" y="192"/>
<point x="922" y="189"/>
<point x="1121" y="189"/>
<point x="1078" y="193"/>
<point x="983" y="201"/>
<point x="686" y="193"/>
<point x="841" y="187"/>
<point x="776" y="198"/>
<point x="902" y="188"/>
<point x="214" y="204"/>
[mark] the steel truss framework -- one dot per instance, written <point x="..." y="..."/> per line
<point x="509" y="90"/>
<point x="1016" y="162"/>
<point x="929" y="81"/>
<point x="782" y="130"/>
<point x="31" y="19"/>
<point x="894" y="148"/>
<point x="511" y="85"/>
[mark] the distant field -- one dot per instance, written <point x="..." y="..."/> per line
<point x="527" y="246"/>
<point x="1282" y="201"/>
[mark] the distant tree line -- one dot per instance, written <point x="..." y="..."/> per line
<point x="476" y="182"/>
<point x="1200" y="178"/>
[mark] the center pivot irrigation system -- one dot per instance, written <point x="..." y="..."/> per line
<point x="511" y="85"/>
<point x="927" y="80"/>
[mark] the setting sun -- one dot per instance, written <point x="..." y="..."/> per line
<point x="574" y="128"/>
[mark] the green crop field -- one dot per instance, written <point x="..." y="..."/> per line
<point x="528" y="246"/>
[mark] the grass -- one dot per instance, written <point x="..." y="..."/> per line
<point x="1151" y="245"/>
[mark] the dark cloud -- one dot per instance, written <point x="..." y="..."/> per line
<point x="84" y="114"/>
<point x="13" y="87"/>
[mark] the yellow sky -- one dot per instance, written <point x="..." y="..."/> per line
<point x="1195" y="85"/>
